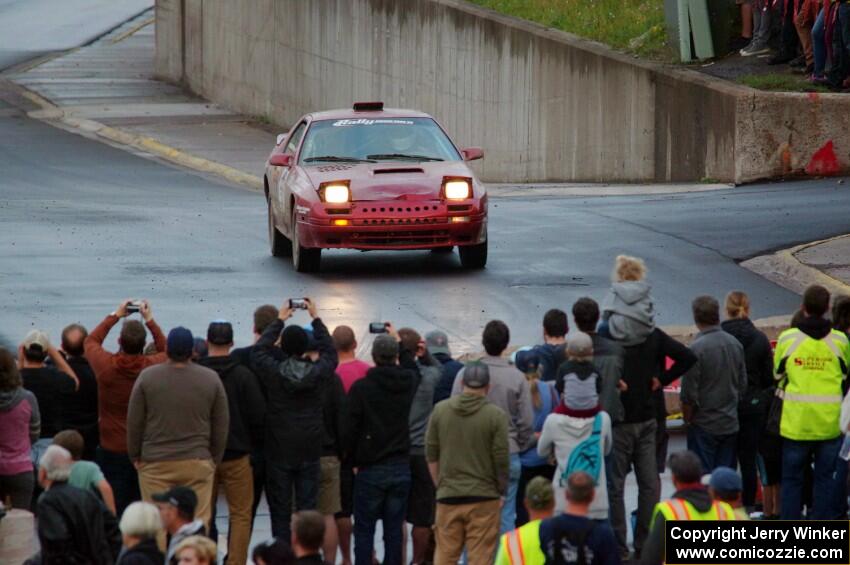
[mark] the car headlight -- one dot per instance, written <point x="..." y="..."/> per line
<point x="457" y="189"/>
<point x="336" y="193"/>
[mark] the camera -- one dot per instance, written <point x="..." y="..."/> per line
<point x="297" y="304"/>
<point x="134" y="307"/>
<point x="378" y="328"/>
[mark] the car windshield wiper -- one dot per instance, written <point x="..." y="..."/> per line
<point x="338" y="159"/>
<point x="403" y="156"/>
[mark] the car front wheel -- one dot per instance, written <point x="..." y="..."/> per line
<point x="278" y="244"/>
<point x="473" y="256"/>
<point x="304" y="259"/>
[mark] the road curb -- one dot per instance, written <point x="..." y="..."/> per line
<point x="50" y="112"/>
<point x="786" y="270"/>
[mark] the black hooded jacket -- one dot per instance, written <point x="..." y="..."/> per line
<point x="245" y="402"/>
<point x="379" y="409"/>
<point x="759" y="359"/>
<point x="143" y="553"/>
<point x="75" y="528"/>
<point x="294" y="389"/>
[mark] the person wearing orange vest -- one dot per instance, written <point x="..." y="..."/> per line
<point x="691" y="501"/>
<point x="522" y="545"/>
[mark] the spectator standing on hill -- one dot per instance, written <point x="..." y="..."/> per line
<point x="607" y="358"/>
<point x="509" y="391"/>
<point x="544" y="400"/>
<point x="177" y="424"/>
<point x="335" y="416"/>
<point x="20" y="424"/>
<point x="752" y="411"/>
<point x="81" y="406"/>
<point x="294" y="422"/>
<point x="437" y="343"/>
<point x="572" y="537"/>
<point x="177" y="510"/>
<point x="551" y="353"/>
<point x="50" y="385"/>
<point x="468" y="457"/>
<point x="522" y="545"/>
<point x="116" y="374"/>
<point x="811" y="364"/>
<point x="713" y="388"/>
<point x="350" y="370"/>
<point x="421" y="502"/>
<point x="636" y="435"/>
<point x="85" y="475"/>
<point x="73" y="524"/>
<point x="379" y="438"/>
<point x="577" y="419"/>
<point x="247" y="409"/>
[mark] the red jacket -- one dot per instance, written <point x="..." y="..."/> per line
<point x="116" y="374"/>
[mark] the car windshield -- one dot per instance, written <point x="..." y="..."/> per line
<point x="376" y="139"/>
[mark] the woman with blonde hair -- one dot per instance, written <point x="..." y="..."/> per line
<point x="139" y="527"/>
<point x="544" y="400"/>
<point x="196" y="550"/>
<point x="752" y="410"/>
<point x="628" y="312"/>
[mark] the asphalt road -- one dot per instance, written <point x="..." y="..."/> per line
<point x="86" y="225"/>
<point x="30" y="28"/>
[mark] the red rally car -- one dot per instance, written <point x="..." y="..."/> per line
<point x="373" y="178"/>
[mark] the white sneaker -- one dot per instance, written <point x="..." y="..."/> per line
<point x="752" y="50"/>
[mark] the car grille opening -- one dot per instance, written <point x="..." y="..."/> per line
<point x="401" y="238"/>
<point x="398" y="170"/>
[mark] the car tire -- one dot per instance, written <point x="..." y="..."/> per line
<point x="473" y="256"/>
<point x="304" y="259"/>
<point x="279" y="245"/>
<point x="442" y="250"/>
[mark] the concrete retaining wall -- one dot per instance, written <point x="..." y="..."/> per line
<point x="545" y="105"/>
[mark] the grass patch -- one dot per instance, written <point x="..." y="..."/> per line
<point x="636" y="26"/>
<point x="781" y="83"/>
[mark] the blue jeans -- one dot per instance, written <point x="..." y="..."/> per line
<point x="830" y="475"/>
<point x="819" y="44"/>
<point x="380" y="493"/>
<point x="713" y="450"/>
<point x="508" y="521"/>
<point x="281" y="479"/>
<point x="121" y="476"/>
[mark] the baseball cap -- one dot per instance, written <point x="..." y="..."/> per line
<point x="579" y="345"/>
<point x="385" y="347"/>
<point x="726" y="479"/>
<point x="180" y="342"/>
<point x="539" y="493"/>
<point x="526" y="359"/>
<point x="476" y="375"/>
<point x="182" y="498"/>
<point x="437" y="342"/>
<point x="36" y="338"/>
<point x="220" y="332"/>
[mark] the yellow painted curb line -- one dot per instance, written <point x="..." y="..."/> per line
<point x="51" y="111"/>
<point x="131" y="31"/>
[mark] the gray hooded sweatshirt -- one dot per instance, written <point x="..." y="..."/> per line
<point x="629" y="311"/>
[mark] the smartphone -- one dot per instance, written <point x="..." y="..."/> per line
<point x="134" y="307"/>
<point x="297" y="304"/>
<point x="377" y="328"/>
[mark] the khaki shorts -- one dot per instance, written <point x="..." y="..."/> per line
<point x="329" y="498"/>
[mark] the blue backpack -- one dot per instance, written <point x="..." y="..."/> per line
<point x="587" y="455"/>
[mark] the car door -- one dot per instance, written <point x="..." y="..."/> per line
<point x="282" y="192"/>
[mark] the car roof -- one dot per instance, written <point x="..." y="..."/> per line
<point x="346" y="113"/>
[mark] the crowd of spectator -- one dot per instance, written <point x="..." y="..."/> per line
<point x="812" y="37"/>
<point x="122" y="455"/>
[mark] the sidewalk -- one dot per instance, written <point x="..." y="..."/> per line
<point x="108" y="90"/>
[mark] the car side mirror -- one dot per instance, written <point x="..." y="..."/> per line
<point x="472" y="153"/>
<point x="281" y="160"/>
<point x="280" y="138"/>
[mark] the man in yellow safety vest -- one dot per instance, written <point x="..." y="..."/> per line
<point x="691" y="501"/>
<point x="810" y="363"/>
<point x="522" y="545"/>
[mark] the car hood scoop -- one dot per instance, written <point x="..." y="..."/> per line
<point x="333" y="168"/>
<point x="398" y="170"/>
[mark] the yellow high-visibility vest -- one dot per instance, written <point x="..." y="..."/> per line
<point x="678" y="509"/>
<point x="521" y="546"/>
<point x="814" y="369"/>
